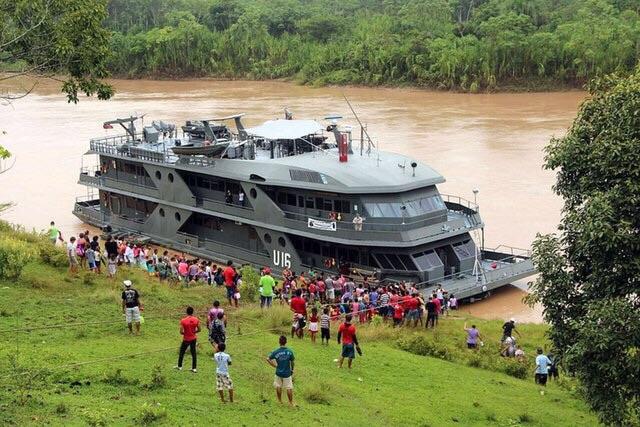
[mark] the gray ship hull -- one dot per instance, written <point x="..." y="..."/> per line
<point x="297" y="209"/>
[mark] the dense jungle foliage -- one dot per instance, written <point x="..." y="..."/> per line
<point x="450" y="44"/>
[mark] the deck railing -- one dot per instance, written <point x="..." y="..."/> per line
<point x="394" y="226"/>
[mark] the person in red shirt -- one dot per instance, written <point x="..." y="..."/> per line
<point x="229" y="275"/>
<point x="189" y="327"/>
<point x="299" y="308"/>
<point x="398" y="314"/>
<point x="347" y="334"/>
<point x="411" y="305"/>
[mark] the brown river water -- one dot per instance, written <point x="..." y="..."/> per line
<point x="492" y="142"/>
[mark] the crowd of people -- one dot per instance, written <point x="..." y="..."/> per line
<point x="316" y="301"/>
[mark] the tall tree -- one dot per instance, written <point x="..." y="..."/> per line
<point x="58" y="39"/>
<point x="589" y="279"/>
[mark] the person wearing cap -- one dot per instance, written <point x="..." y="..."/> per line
<point x="131" y="306"/>
<point x="266" y="288"/>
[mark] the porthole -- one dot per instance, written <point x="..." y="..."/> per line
<point x="282" y="242"/>
<point x="267" y="238"/>
<point x="161" y="212"/>
<point x="178" y="217"/>
<point x="253" y="193"/>
<point x="158" y="175"/>
<point x="170" y="176"/>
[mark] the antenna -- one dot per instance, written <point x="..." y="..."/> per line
<point x="359" y="122"/>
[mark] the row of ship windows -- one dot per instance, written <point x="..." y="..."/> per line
<point x="409" y="208"/>
<point x="320" y="203"/>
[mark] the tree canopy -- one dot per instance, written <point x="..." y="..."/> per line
<point x="452" y="44"/>
<point x="60" y="39"/>
<point x="589" y="279"/>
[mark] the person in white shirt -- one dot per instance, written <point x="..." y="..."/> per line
<point x="241" y="198"/>
<point x="357" y="222"/>
<point x="128" y="255"/>
<point x="71" y="254"/>
<point x="223" y="380"/>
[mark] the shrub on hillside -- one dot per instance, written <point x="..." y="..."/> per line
<point x="14" y="255"/>
<point x="50" y="254"/>
<point x="422" y="346"/>
<point x="249" y="287"/>
<point x="515" y="369"/>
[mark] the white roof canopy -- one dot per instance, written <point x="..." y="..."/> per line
<point x="285" y="129"/>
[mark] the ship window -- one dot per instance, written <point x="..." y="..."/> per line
<point x="424" y="205"/>
<point x="170" y="176"/>
<point x="291" y="199"/>
<point x="326" y="251"/>
<point x="320" y="203"/>
<point x="267" y="238"/>
<point x="191" y="180"/>
<point x="373" y="262"/>
<point x="300" y="202"/>
<point x="282" y="198"/>
<point x="161" y="212"/>
<point x="406" y="260"/>
<point x="177" y="216"/>
<point x="427" y="260"/>
<point x="343" y="206"/>
<point x="382" y="260"/>
<point x="384" y="210"/>
<point x="282" y="242"/>
<point x="464" y="250"/>
<point x="328" y="206"/>
<point x="158" y="175"/>
<point x="395" y="261"/>
<point x="309" y="203"/>
<point x="253" y="193"/>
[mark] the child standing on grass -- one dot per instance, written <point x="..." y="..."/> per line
<point x="113" y="266"/>
<point x="313" y="324"/>
<point x="325" y="325"/>
<point x="223" y="380"/>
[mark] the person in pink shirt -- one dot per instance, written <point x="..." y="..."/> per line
<point x="183" y="269"/>
<point x="213" y="314"/>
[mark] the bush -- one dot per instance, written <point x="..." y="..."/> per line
<point x="249" y="287"/>
<point x="14" y="255"/>
<point x="317" y="394"/>
<point x="53" y="255"/>
<point x="151" y="414"/>
<point x="117" y="379"/>
<point x="158" y="380"/>
<point x="418" y="345"/>
<point x="515" y="368"/>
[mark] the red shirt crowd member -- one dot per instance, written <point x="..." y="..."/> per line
<point x="229" y="275"/>
<point x="299" y="308"/>
<point x="438" y="304"/>
<point x="189" y="327"/>
<point x="347" y="335"/>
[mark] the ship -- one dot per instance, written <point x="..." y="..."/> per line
<point x="295" y="194"/>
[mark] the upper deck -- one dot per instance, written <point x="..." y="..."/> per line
<point x="372" y="173"/>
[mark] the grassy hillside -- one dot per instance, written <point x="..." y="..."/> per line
<point x="78" y="366"/>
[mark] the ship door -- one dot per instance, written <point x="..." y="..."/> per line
<point x="442" y="254"/>
<point x="253" y="240"/>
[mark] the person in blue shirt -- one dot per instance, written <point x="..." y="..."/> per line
<point x="542" y="368"/>
<point x="223" y="380"/>
<point x="282" y="359"/>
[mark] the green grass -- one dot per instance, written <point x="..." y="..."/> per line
<point x="388" y="386"/>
